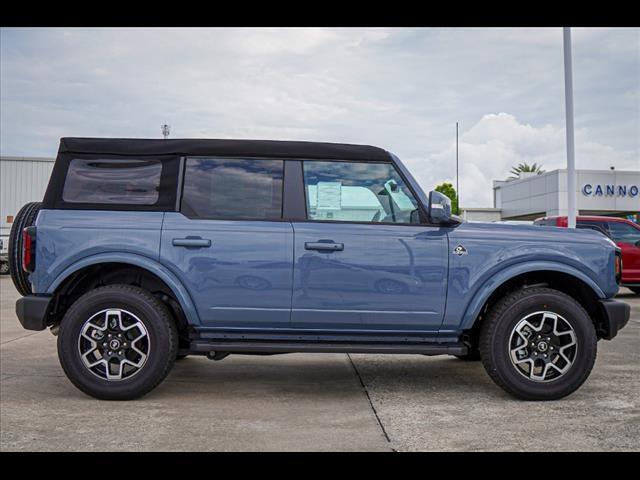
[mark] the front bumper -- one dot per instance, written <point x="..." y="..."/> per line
<point x="615" y="316"/>
<point x="33" y="311"/>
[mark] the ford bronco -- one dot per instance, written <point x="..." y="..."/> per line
<point x="145" y="251"/>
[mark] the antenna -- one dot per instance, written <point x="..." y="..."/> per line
<point x="165" y="130"/>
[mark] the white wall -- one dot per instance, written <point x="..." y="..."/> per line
<point x="547" y="193"/>
<point x="22" y="180"/>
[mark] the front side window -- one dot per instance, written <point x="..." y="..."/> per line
<point x="623" y="232"/>
<point x="357" y="192"/>
<point x="234" y="189"/>
<point x="113" y="181"/>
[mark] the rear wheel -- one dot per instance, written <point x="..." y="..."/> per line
<point x="117" y="342"/>
<point x="538" y="344"/>
<point x="26" y="217"/>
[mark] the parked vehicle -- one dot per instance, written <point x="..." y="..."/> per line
<point x="4" y="255"/>
<point x="145" y="251"/>
<point x="624" y="232"/>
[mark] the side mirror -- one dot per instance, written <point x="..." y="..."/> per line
<point x="439" y="207"/>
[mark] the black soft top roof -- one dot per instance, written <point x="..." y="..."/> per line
<point x="222" y="147"/>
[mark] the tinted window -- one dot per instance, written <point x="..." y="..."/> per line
<point x="135" y="182"/>
<point x="233" y="188"/>
<point x="546" y="222"/>
<point x="593" y="224"/>
<point x="357" y="192"/>
<point x="623" y="232"/>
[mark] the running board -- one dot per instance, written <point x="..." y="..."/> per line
<point x="199" y="346"/>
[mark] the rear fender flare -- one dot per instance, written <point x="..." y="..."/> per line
<point x="180" y="292"/>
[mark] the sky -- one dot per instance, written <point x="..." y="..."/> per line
<point x="402" y="89"/>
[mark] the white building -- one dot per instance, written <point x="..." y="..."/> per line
<point x="599" y="192"/>
<point x="22" y="180"/>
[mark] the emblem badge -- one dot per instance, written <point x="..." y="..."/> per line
<point x="460" y="250"/>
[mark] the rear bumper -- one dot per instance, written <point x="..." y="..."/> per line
<point x="32" y="311"/>
<point x="615" y="316"/>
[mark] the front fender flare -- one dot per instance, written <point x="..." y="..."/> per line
<point x="180" y="292"/>
<point x="489" y="286"/>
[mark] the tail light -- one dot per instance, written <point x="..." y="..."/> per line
<point x="29" y="249"/>
<point x="618" y="266"/>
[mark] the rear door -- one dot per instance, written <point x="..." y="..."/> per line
<point x="228" y="243"/>
<point x="363" y="258"/>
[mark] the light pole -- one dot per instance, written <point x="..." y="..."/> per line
<point x="457" y="172"/>
<point x="568" y="102"/>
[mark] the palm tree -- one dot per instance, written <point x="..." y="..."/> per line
<point x="525" y="167"/>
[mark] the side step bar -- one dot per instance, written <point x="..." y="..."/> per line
<point x="199" y="346"/>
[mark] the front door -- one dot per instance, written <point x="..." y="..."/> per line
<point x="363" y="260"/>
<point x="229" y="245"/>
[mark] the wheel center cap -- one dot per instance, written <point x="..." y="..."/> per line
<point x="542" y="346"/>
<point x="114" y="344"/>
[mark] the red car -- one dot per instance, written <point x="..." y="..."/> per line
<point x="624" y="232"/>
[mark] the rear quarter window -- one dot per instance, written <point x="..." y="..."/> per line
<point x="113" y="181"/>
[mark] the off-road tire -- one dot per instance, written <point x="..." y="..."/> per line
<point x="163" y="338"/>
<point x="26" y="217"/>
<point x="496" y="330"/>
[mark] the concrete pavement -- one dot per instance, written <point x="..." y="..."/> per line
<point x="313" y="402"/>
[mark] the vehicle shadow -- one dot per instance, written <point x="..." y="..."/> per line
<point x="332" y="376"/>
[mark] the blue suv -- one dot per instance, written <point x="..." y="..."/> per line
<point x="146" y="251"/>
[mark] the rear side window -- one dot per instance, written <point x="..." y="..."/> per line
<point x="113" y="181"/>
<point x="233" y="189"/>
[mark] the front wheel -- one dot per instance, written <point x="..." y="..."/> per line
<point x="117" y="342"/>
<point x="538" y="344"/>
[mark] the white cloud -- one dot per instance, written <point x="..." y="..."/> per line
<point x="399" y="88"/>
<point x="489" y="149"/>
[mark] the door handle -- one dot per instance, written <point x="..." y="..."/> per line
<point x="193" y="242"/>
<point x="324" y="246"/>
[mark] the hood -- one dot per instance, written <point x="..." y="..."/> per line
<point x="533" y="233"/>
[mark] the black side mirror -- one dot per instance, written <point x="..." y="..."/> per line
<point x="439" y="207"/>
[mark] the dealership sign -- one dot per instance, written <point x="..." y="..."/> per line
<point x="610" y="190"/>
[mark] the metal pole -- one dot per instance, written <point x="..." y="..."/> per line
<point x="457" y="170"/>
<point x="568" y="99"/>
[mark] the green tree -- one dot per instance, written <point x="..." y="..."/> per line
<point x="448" y="190"/>
<point x="525" y="167"/>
